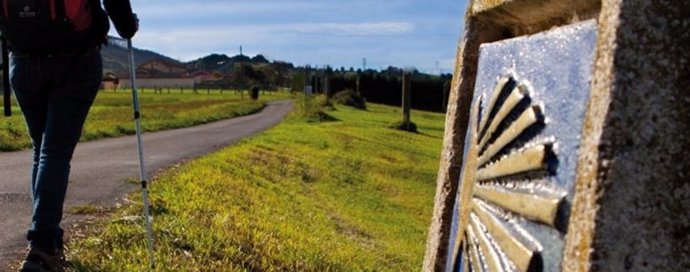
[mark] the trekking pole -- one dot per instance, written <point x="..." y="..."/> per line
<point x="142" y="172"/>
<point x="6" y="91"/>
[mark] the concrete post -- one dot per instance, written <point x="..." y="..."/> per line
<point x="406" y="97"/>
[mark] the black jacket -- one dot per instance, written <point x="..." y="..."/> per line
<point x="120" y="12"/>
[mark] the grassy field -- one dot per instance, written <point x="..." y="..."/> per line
<point x="346" y="193"/>
<point x="111" y="114"/>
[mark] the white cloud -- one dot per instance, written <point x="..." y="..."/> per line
<point x="200" y="9"/>
<point x="196" y="41"/>
<point x="338" y="29"/>
<point x="340" y="33"/>
<point x="358" y="29"/>
<point x="291" y="8"/>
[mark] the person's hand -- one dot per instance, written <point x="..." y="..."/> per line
<point x="128" y="31"/>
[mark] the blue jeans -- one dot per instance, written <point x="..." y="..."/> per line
<point x="55" y="94"/>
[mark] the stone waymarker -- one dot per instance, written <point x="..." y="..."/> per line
<point x="406" y="97"/>
<point x="522" y="147"/>
<point x="566" y="145"/>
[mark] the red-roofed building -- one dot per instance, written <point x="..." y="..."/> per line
<point x="161" y="74"/>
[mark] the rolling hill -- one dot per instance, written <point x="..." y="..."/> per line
<point x="115" y="59"/>
<point x="116" y="56"/>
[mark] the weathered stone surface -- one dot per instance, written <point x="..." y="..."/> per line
<point x="479" y="28"/>
<point x="631" y="210"/>
<point x="631" y="205"/>
<point x="521" y="17"/>
<point x="475" y="33"/>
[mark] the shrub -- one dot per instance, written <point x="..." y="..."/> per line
<point x="349" y="98"/>
<point x="311" y="109"/>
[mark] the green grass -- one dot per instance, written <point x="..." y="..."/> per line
<point x="111" y="114"/>
<point x="348" y="194"/>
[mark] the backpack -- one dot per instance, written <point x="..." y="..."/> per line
<point x="53" y="26"/>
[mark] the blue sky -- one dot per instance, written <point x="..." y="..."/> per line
<point x="403" y="33"/>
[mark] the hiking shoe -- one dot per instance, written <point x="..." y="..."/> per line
<point x="40" y="261"/>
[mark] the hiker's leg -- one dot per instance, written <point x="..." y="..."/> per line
<point x="70" y="96"/>
<point x="26" y="78"/>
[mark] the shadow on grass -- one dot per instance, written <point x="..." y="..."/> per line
<point x="321" y="117"/>
<point x="405" y="126"/>
<point x="429" y="135"/>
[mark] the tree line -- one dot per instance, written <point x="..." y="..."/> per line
<point x="429" y="92"/>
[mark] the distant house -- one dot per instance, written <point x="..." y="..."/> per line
<point x="161" y="74"/>
<point x="110" y="81"/>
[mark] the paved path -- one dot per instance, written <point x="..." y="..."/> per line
<point x="99" y="168"/>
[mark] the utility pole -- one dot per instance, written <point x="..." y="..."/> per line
<point x="326" y="84"/>
<point x="307" y="80"/>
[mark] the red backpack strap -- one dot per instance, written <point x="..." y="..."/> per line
<point x="78" y="12"/>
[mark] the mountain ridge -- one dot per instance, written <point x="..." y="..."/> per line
<point x="116" y="56"/>
<point x="116" y="59"/>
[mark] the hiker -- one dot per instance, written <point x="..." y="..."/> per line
<point x="55" y="72"/>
